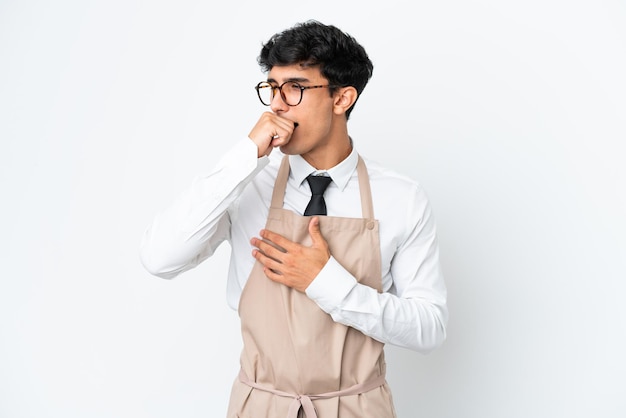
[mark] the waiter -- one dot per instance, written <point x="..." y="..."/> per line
<point x="332" y="255"/>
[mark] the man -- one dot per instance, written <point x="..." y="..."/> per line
<point x="321" y="282"/>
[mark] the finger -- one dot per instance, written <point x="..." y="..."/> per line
<point x="315" y="232"/>
<point x="283" y="129"/>
<point x="287" y="125"/>
<point x="278" y="140"/>
<point x="268" y="249"/>
<point x="266" y="261"/>
<point x="277" y="240"/>
<point x="273" y="275"/>
<point x="271" y="131"/>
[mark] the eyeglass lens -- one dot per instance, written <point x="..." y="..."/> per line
<point x="291" y="93"/>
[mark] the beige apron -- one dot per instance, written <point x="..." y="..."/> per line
<point x="295" y="357"/>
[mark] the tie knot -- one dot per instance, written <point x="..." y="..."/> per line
<point x="318" y="184"/>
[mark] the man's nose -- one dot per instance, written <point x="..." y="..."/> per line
<point x="278" y="104"/>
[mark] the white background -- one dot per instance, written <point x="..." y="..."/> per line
<point x="511" y="115"/>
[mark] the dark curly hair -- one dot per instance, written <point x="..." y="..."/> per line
<point x="341" y="59"/>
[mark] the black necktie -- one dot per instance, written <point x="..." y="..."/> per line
<point x="317" y="205"/>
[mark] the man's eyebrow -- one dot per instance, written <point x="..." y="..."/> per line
<point x="292" y="79"/>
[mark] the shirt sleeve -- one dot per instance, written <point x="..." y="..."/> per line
<point x="413" y="313"/>
<point x="189" y="230"/>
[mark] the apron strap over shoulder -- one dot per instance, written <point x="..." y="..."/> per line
<point x="367" y="206"/>
<point x="278" y="195"/>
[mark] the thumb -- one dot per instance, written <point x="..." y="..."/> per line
<point x="314" y="231"/>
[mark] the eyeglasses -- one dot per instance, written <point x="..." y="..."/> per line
<point x="290" y="91"/>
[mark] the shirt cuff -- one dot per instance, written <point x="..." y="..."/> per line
<point x="331" y="286"/>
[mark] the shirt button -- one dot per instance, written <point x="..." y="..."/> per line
<point x="370" y="225"/>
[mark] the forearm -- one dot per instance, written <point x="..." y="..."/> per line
<point x="190" y="229"/>
<point x="413" y="321"/>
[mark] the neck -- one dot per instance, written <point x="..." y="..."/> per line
<point x="324" y="158"/>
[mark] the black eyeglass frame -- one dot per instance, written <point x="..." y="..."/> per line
<point x="282" y="95"/>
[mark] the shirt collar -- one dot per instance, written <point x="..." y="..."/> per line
<point x="340" y="173"/>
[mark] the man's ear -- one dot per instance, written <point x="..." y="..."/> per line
<point x="344" y="99"/>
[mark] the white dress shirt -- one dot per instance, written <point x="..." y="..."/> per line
<point x="231" y="204"/>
